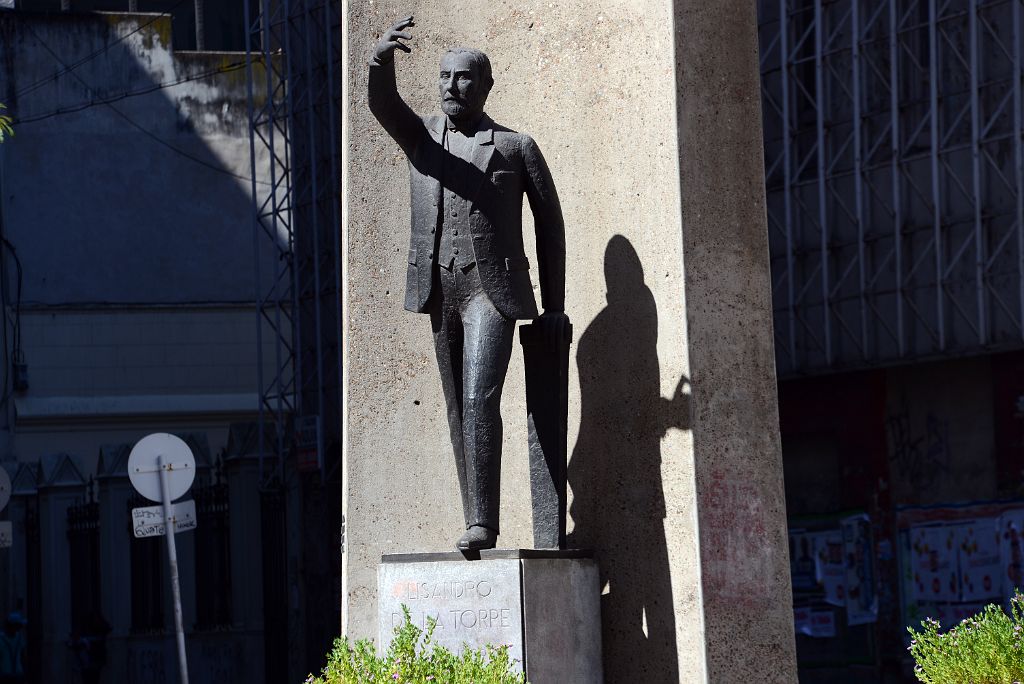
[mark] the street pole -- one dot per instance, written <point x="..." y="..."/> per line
<point x="172" y="557"/>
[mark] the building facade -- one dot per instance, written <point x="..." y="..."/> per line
<point x="129" y="308"/>
<point x="895" y="193"/>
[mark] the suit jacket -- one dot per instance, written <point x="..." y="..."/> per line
<point x="504" y="166"/>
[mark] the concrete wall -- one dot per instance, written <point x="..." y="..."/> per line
<point x="147" y="351"/>
<point x="598" y="86"/>
<point x="129" y="269"/>
<point x="142" y="204"/>
<point x="739" y="478"/>
<point x="131" y="228"/>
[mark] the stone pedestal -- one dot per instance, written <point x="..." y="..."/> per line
<point x="544" y="604"/>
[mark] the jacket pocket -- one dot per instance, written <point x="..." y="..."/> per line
<point x="517" y="264"/>
<point x="505" y="180"/>
<point x="412" y="256"/>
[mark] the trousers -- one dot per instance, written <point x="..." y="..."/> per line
<point x="473" y="345"/>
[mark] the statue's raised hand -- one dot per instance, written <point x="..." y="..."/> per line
<point x="385" y="50"/>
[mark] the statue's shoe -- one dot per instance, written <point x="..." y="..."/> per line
<point x="477" y="538"/>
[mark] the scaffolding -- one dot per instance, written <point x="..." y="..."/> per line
<point x="895" y="180"/>
<point x="293" y="62"/>
<point x="293" y="58"/>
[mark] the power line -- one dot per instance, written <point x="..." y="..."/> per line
<point x="88" y="58"/>
<point x="139" y="128"/>
<point x="228" y="68"/>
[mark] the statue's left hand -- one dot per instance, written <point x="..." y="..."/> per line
<point x="555" y="325"/>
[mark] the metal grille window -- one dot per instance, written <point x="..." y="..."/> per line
<point x="34" y="582"/>
<point x="213" y="553"/>
<point x="84" y="547"/>
<point x="895" y="179"/>
<point x="274" y="540"/>
<point x="147" y="576"/>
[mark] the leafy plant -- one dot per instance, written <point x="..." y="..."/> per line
<point x="414" y="660"/>
<point x="984" y="649"/>
<point x="6" y="129"/>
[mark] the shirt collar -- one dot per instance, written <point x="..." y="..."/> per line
<point x="466" y="130"/>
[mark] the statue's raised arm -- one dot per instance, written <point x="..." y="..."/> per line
<point x="386" y="104"/>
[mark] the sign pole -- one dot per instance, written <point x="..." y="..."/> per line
<point x="172" y="557"/>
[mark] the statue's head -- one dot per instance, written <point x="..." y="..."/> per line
<point x="623" y="271"/>
<point x="464" y="82"/>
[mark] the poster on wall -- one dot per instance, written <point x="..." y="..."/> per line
<point x="813" y="622"/>
<point x="823" y="623"/>
<point x="817" y="563"/>
<point x="1011" y="552"/>
<point x="830" y="571"/>
<point x="801" y="560"/>
<point x="933" y="553"/>
<point x="861" y="599"/>
<point x="979" y="560"/>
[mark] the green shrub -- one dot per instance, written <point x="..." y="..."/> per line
<point x="414" y="660"/>
<point x="984" y="649"/>
<point x="5" y="125"/>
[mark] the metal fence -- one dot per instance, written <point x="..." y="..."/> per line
<point x="213" y="548"/>
<point x="83" y="525"/>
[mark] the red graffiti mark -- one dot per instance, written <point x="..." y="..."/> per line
<point x="736" y="552"/>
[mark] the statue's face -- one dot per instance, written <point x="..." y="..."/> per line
<point x="462" y="91"/>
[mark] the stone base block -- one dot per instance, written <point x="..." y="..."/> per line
<point x="544" y="604"/>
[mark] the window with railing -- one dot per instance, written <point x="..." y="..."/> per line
<point x="84" y="551"/>
<point x="213" y="551"/>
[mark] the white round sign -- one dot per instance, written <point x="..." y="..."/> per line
<point x="144" y="468"/>
<point x="5" y="488"/>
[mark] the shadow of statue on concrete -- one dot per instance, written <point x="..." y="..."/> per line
<point x="618" y="505"/>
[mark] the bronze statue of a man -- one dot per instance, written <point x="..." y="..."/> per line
<point x="467" y="267"/>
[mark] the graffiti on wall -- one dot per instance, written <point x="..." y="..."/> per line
<point x="918" y="456"/>
<point x="737" y="549"/>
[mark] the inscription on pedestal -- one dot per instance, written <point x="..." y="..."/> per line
<point x="474" y="603"/>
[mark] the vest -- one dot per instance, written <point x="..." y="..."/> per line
<point x="455" y="242"/>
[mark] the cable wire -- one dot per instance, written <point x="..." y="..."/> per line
<point x="228" y="68"/>
<point x="88" y="58"/>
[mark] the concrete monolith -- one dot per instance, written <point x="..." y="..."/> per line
<point x="648" y="113"/>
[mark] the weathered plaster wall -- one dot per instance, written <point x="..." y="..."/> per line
<point x="108" y="212"/>
<point x="125" y="201"/>
<point x="126" y="218"/>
